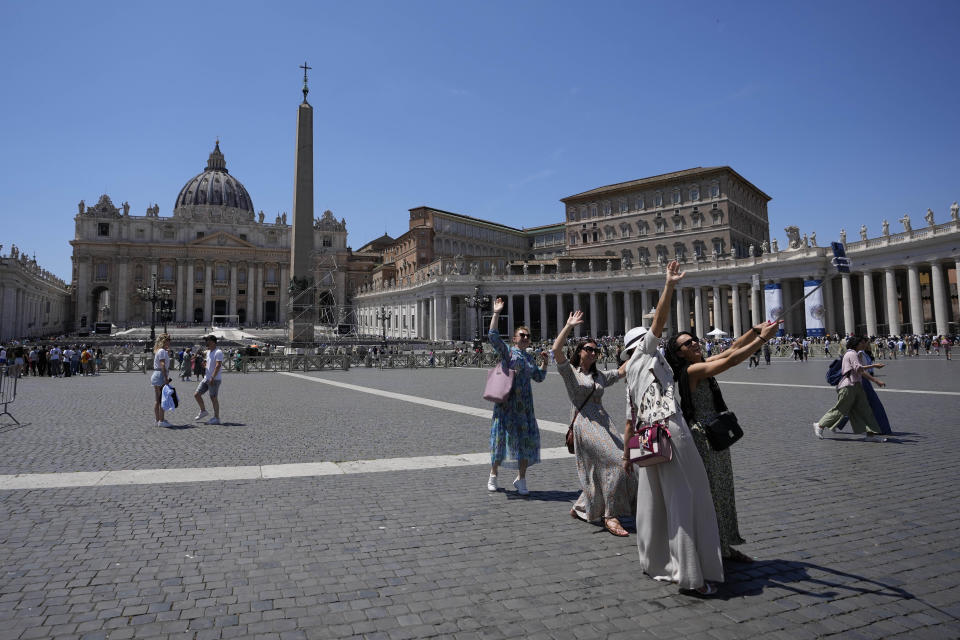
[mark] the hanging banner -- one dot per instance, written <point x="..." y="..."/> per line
<point x="773" y="300"/>
<point x="815" y="311"/>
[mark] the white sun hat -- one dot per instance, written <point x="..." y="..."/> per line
<point x="631" y="340"/>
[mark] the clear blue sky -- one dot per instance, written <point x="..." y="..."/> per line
<point x="843" y="112"/>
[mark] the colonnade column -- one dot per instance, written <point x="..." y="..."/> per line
<point x="561" y="320"/>
<point x="869" y="304"/>
<point x="577" y="330"/>
<point x="260" y="296"/>
<point x="510" y="322"/>
<point x="181" y="292"/>
<point x="847" y="292"/>
<point x="679" y="293"/>
<point x="120" y="304"/>
<point x="645" y="305"/>
<point x="233" y="288"/>
<point x="594" y="319"/>
<point x="916" y="306"/>
<point x="251" y="293"/>
<point x="756" y="314"/>
<point x="526" y="312"/>
<point x="939" y="298"/>
<point x="735" y="304"/>
<point x="627" y="310"/>
<point x="893" y="312"/>
<point x="207" y="291"/>
<point x="284" y="283"/>
<point x="448" y="317"/>
<point x="611" y="315"/>
<point x="828" y="302"/>
<point x="698" y="311"/>
<point x="544" y="323"/>
<point x="717" y="318"/>
<point x="724" y="312"/>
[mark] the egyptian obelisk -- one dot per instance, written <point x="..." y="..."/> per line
<point x="301" y="311"/>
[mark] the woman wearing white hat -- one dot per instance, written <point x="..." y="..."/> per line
<point x="677" y="534"/>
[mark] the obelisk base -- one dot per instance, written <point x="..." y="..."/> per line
<point x="302" y="320"/>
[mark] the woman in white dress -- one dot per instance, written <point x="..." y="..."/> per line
<point x="677" y="534"/>
<point x="161" y="375"/>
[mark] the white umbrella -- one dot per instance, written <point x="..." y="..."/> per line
<point x="717" y="333"/>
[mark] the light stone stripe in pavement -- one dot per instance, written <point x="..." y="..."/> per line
<point x="251" y="472"/>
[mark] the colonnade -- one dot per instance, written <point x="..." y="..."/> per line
<point x="30" y="305"/>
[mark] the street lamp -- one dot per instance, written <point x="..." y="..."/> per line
<point x="479" y="302"/>
<point x="383" y="316"/>
<point x="153" y="295"/>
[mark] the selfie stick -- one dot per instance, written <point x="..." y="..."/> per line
<point x="839" y="260"/>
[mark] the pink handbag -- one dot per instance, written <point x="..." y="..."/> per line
<point x="499" y="383"/>
<point x="650" y="445"/>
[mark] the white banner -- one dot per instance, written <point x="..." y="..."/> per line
<point x="773" y="299"/>
<point x="814" y="309"/>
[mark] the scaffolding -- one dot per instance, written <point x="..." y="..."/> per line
<point x="314" y="309"/>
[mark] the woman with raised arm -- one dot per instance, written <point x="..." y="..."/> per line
<point x="608" y="491"/>
<point x="701" y="401"/>
<point x="676" y="525"/>
<point x="514" y="432"/>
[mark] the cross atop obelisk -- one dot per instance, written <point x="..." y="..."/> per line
<point x="306" y="89"/>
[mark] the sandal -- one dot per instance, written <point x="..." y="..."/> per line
<point x="706" y="591"/>
<point x="613" y="526"/>
<point x="738" y="556"/>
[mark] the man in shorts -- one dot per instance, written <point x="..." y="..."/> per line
<point x="211" y="381"/>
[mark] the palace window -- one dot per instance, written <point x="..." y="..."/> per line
<point x="221" y="273"/>
<point x="642" y="227"/>
<point x="717" y="216"/>
<point x="623" y="205"/>
<point x="608" y="232"/>
<point x="198" y="273"/>
<point x="679" y="251"/>
<point x="103" y="229"/>
<point x="167" y="273"/>
<point x="625" y="230"/>
<point x="658" y="199"/>
<point x="327" y="242"/>
<point x="242" y="276"/>
<point x="661" y="224"/>
<point x="606" y="208"/>
<point x="593" y="211"/>
<point x="694" y="193"/>
<point x="678" y="223"/>
<point x="138" y="273"/>
<point x="200" y="234"/>
<point x="715" y="189"/>
<point x="101" y="271"/>
<point x="638" y="203"/>
<point x="272" y="275"/>
<point x="676" y="196"/>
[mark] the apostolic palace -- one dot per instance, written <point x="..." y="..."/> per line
<point x="217" y="256"/>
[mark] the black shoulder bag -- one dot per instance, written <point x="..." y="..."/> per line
<point x="723" y="430"/>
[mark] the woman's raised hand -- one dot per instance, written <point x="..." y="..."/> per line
<point x="674" y="275"/>
<point x="769" y="330"/>
<point x="575" y="318"/>
<point x="498" y="305"/>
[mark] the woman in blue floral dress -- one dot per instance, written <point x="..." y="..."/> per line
<point x="514" y="433"/>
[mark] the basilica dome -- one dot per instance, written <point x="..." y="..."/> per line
<point x="215" y="188"/>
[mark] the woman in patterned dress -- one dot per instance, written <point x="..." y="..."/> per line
<point x="695" y="378"/>
<point x="608" y="491"/>
<point x="514" y="433"/>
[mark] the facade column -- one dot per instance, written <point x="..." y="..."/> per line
<point x="756" y="314"/>
<point x="284" y="283"/>
<point x="916" y="306"/>
<point x="627" y="310"/>
<point x="260" y="296"/>
<point x="893" y="311"/>
<point x="679" y="293"/>
<point x="724" y="312"/>
<point x="577" y="330"/>
<point x="120" y="303"/>
<point x="233" y="289"/>
<point x="83" y="296"/>
<point x="544" y="323"/>
<point x="645" y="305"/>
<point x="510" y="322"/>
<point x="181" y="292"/>
<point x="735" y="304"/>
<point x="594" y="318"/>
<point x="831" y="324"/>
<point x="188" y="294"/>
<point x="847" y="291"/>
<point x="561" y="320"/>
<point x="869" y="303"/>
<point x="698" y="312"/>
<point x="611" y="315"/>
<point x="939" y="298"/>
<point x="251" y="293"/>
<point x="526" y="313"/>
<point x="448" y="317"/>
<point x="207" y="291"/>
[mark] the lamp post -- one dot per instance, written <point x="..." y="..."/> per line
<point x="479" y="302"/>
<point x="383" y="316"/>
<point x="153" y="295"/>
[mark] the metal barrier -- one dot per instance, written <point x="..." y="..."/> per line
<point x="8" y="390"/>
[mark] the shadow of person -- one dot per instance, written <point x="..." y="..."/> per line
<point x="180" y="427"/>
<point x="802" y="578"/>
<point x="12" y="426"/>
<point x="546" y="496"/>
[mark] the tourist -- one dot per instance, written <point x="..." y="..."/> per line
<point x="160" y="377"/>
<point x="514" y="433"/>
<point x="211" y="381"/>
<point x="98" y="360"/>
<point x="186" y="364"/>
<point x="53" y="366"/>
<point x="198" y="364"/>
<point x="607" y="490"/>
<point x="866" y="359"/>
<point x="33" y="358"/>
<point x="851" y="398"/>
<point x="677" y="535"/>
<point x="700" y="401"/>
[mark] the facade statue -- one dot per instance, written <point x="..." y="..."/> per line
<point x="813" y="238"/>
<point x="526" y="268"/>
<point x="573" y="266"/>
<point x="260" y="216"/>
<point x="751" y="250"/>
<point x="885" y="227"/>
<point x="955" y="211"/>
<point x="493" y="268"/>
<point x="609" y="265"/>
<point x="82" y="206"/>
<point x="590" y="266"/>
<point x="793" y="237"/>
<point x="458" y="264"/>
<point x="773" y="246"/>
<point x="14" y="252"/>
<point x="277" y="221"/>
<point x="126" y="209"/>
<point x="905" y="221"/>
<point x="929" y="217"/>
<point x="283" y="218"/>
<point x="863" y="232"/>
<point x="843" y="236"/>
<point x="764" y="247"/>
<point x="474" y="269"/>
<point x="806" y="242"/>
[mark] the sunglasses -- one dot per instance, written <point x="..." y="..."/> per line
<point x="691" y="341"/>
<point x="590" y="349"/>
<point x="521" y="334"/>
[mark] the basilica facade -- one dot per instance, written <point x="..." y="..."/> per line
<point x="214" y="254"/>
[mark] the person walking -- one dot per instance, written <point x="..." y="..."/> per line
<point x="851" y="398"/>
<point x="211" y="381"/>
<point x="186" y="364"/>
<point x="883" y="422"/>
<point x="700" y="401"/>
<point x="160" y="376"/>
<point x="607" y="490"/>
<point x="514" y="433"/>
<point x="677" y="536"/>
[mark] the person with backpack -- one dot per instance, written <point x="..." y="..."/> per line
<point x="851" y="398"/>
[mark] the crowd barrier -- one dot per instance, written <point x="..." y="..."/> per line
<point x="8" y="391"/>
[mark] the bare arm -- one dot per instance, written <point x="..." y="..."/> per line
<point x="495" y="318"/>
<point x="742" y="341"/>
<point x="710" y="368"/>
<point x="573" y="320"/>
<point x="674" y="275"/>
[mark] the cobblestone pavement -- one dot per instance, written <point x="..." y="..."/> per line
<point x="853" y="539"/>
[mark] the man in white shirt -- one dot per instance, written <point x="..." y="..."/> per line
<point x="211" y="381"/>
<point x="53" y="367"/>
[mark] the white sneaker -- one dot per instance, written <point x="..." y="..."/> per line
<point x="164" y="423"/>
<point x="203" y="414"/>
<point x="520" y="484"/>
<point x="213" y="420"/>
<point x="818" y="430"/>
<point x="492" y="483"/>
